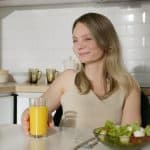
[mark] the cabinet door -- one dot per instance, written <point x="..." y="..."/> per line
<point x="6" y="109"/>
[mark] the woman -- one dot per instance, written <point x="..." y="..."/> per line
<point x="102" y="89"/>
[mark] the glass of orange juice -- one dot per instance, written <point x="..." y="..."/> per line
<point x="38" y="112"/>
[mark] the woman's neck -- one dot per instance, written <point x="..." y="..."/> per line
<point x="96" y="75"/>
<point x="95" y="71"/>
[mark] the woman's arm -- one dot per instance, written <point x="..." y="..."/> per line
<point x="54" y="93"/>
<point x="53" y="96"/>
<point x="58" y="88"/>
<point x="132" y="105"/>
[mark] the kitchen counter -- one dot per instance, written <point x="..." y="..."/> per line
<point x="13" y="87"/>
<point x="146" y="90"/>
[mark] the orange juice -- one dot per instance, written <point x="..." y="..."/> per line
<point x="38" y="120"/>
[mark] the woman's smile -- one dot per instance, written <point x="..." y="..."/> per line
<point x="83" y="54"/>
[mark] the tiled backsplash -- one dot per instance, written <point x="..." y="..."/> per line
<point x="41" y="36"/>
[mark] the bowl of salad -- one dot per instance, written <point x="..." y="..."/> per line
<point x="127" y="136"/>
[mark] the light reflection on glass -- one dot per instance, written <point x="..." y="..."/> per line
<point x="131" y="17"/>
<point x="143" y="41"/>
<point x="144" y="17"/>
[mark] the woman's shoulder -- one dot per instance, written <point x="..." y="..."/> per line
<point x="133" y="82"/>
<point x="133" y="85"/>
<point x="130" y="85"/>
<point x="68" y="74"/>
<point x="67" y="77"/>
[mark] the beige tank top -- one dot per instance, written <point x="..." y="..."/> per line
<point x="88" y="111"/>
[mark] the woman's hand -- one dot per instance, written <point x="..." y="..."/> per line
<point x="25" y="120"/>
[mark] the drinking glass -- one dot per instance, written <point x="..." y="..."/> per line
<point x="50" y="75"/>
<point x="34" y="75"/>
<point x="38" y="112"/>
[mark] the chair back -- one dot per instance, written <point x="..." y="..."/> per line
<point x="57" y="116"/>
<point x="145" y="109"/>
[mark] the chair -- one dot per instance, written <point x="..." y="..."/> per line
<point x="145" y="109"/>
<point x="57" y="116"/>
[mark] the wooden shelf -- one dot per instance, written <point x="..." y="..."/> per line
<point x="37" y="88"/>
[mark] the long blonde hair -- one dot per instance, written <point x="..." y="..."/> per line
<point x="106" y="37"/>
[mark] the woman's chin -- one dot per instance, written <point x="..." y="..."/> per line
<point x="84" y="61"/>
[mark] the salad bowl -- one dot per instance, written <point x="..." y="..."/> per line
<point x="128" y="137"/>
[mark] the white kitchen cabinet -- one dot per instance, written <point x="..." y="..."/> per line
<point x="6" y="109"/>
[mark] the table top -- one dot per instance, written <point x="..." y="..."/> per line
<point x="12" y="137"/>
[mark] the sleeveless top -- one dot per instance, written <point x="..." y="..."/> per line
<point x="88" y="111"/>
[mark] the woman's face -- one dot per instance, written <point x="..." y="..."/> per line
<point x="85" y="46"/>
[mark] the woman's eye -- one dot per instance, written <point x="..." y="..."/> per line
<point x="74" y="41"/>
<point x="88" y="39"/>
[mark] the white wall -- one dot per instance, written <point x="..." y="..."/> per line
<point x="41" y="36"/>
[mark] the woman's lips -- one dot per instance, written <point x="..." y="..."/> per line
<point x="83" y="54"/>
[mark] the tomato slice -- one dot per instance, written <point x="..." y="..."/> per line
<point x="138" y="140"/>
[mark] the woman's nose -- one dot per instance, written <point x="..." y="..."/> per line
<point x="80" y="45"/>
